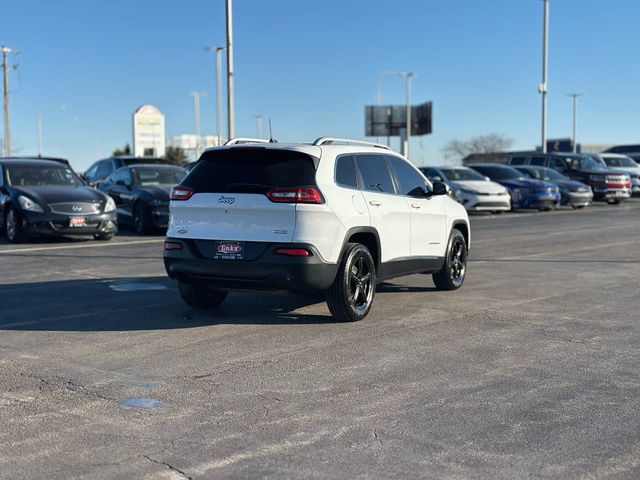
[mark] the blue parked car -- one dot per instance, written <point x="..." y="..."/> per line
<point x="525" y="192"/>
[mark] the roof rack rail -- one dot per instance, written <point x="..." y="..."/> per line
<point x="242" y="140"/>
<point x="348" y="141"/>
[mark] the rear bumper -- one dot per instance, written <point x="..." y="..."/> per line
<point x="262" y="269"/>
<point x="49" y="224"/>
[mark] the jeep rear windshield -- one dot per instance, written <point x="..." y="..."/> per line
<point x="251" y="170"/>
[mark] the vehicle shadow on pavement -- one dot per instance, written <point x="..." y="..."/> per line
<point x="140" y="303"/>
<point x="385" y="287"/>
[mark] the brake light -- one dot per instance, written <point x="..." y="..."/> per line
<point x="296" y="195"/>
<point x="181" y="193"/>
<point x="293" y="252"/>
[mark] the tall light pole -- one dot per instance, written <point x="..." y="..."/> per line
<point x="230" y="87"/>
<point x="196" y="119"/>
<point x="58" y="107"/>
<point x="218" y="51"/>
<point x="408" y="77"/>
<point x="259" y="120"/>
<point x="543" y="88"/>
<point x="7" y="129"/>
<point x="575" y="118"/>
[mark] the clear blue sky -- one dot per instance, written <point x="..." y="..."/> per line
<point x="312" y="66"/>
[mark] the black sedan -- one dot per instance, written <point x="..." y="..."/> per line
<point x="141" y="193"/>
<point x="573" y="193"/>
<point x="45" y="197"/>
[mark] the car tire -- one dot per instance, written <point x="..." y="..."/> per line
<point x="452" y="274"/>
<point x="103" y="236"/>
<point x="201" y="298"/>
<point x="141" y="219"/>
<point x="350" y="297"/>
<point x="13" y="225"/>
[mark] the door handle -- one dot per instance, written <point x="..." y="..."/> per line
<point x="415" y="205"/>
<point x="375" y="203"/>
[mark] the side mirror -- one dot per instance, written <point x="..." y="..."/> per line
<point x="419" y="192"/>
<point x="121" y="183"/>
<point x="436" y="178"/>
<point x="440" y="188"/>
<point x="487" y="179"/>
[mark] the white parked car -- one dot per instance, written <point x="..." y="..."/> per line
<point x="335" y="216"/>
<point x="616" y="161"/>
<point x="476" y="192"/>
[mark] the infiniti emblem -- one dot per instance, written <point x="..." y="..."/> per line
<point x="228" y="200"/>
<point x="76" y="208"/>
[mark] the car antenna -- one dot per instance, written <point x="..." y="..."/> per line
<point x="271" y="140"/>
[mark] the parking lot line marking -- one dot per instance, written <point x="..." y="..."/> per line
<point x="72" y="247"/>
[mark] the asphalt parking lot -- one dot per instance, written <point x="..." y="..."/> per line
<point x="531" y="370"/>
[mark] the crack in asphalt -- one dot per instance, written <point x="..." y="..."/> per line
<point x="169" y="466"/>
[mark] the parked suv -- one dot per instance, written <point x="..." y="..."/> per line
<point x="623" y="163"/>
<point x="101" y="169"/>
<point x="335" y="216"/>
<point x="612" y="186"/>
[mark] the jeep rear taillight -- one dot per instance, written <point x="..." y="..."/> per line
<point x="181" y="193"/>
<point x="296" y="195"/>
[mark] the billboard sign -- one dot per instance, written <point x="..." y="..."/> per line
<point x="148" y="132"/>
<point x="390" y="120"/>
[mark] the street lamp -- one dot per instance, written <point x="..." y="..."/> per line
<point x="46" y="107"/>
<point x="575" y="117"/>
<point x="218" y="51"/>
<point x="408" y="77"/>
<point x="543" y="88"/>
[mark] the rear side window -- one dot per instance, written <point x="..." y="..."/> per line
<point x="375" y="174"/>
<point x="517" y="161"/>
<point x="346" y="172"/>
<point x="406" y="176"/>
<point x="250" y="170"/>
<point x="539" y="161"/>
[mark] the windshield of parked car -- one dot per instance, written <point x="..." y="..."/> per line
<point x="41" y="176"/>
<point x="585" y="163"/>
<point x="620" y="162"/>
<point x="148" y="177"/>
<point x="500" y="173"/>
<point x="461" y="174"/>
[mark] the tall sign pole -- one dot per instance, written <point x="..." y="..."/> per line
<point x="545" y="67"/>
<point x="230" y="88"/>
<point x="5" y="104"/>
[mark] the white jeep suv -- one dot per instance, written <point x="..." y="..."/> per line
<point x="335" y="216"/>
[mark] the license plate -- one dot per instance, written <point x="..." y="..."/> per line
<point x="77" y="222"/>
<point x="229" y="250"/>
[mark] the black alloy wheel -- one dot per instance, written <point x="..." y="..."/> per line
<point x="350" y="297"/>
<point x="13" y="225"/>
<point x="452" y="274"/>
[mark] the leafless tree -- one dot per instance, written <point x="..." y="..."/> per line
<point x="456" y="150"/>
